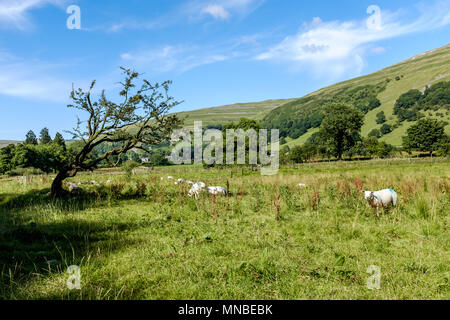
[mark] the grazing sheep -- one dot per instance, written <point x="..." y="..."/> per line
<point x="202" y="185"/>
<point x="381" y="199"/>
<point x="301" y="185"/>
<point x="170" y="178"/>
<point x="216" y="190"/>
<point x="179" y="181"/>
<point x="196" y="189"/>
<point x="189" y="182"/>
<point x="73" y="186"/>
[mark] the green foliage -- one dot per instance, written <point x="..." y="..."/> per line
<point x="6" y="156"/>
<point x="129" y="166"/>
<point x="295" y="118"/>
<point x="44" y="136"/>
<point x="385" y="129"/>
<point x="59" y="140"/>
<point x="341" y="127"/>
<point x="409" y="104"/>
<point x="31" y="138"/>
<point x="381" y="117"/>
<point x="375" y="133"/>
<point x="426" y="135"/>
<point x="244" y="124"/>
<point x="444" y="147"/>
<point x="158" y="158"/>
<point x="46" y="157"/>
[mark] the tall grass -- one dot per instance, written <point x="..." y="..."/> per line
<point x="141" y="237"/>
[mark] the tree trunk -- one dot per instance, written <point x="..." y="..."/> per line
<point x="57" y="185"/>
<point x="57" y="189"/>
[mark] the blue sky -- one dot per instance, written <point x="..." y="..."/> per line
<point x="215" y="51"/>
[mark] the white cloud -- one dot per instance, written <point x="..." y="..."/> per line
<point x="337" y="47"/>
<point x="217" y="11"/>
<point x="220" y="9"/>
<point x="14" y="13"/>
<point x="173" y="58"/>
<point x="32" y="79"/>
<point x="378" y="50"/>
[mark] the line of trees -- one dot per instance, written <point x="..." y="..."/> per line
<point x="45" y="154"/>
<point x="340" y="135"/>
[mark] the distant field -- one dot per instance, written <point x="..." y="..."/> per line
<point x="4" y="143"/>
<point x="144" y="238"/>
<point x="230" y="113"/>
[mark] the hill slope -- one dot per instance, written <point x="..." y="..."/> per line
<point x="231" y="113"/>
<point x="385" y="85"/>
<point x="4" y="143"/>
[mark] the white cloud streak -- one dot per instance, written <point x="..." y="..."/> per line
<point x="14" y="13"/>
<point x="334" y="48"/>
<point x="173" y="58"/>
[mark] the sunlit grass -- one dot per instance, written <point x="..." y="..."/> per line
<point x="146" y="239"/>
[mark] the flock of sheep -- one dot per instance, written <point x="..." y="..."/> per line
<point x="198" y="187"/>
<point x="376" y="199"/>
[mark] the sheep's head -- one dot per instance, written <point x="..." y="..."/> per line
<point x="369" y="195"/>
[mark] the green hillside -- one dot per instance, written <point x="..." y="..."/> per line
<point x="298" y="117"/>
<point x="231" y="113"/>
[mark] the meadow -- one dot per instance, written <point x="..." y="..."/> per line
<point x="140" y="237"/>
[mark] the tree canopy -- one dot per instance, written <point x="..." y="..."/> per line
<point x="341" y="127"/>
<point x="138" y="121"/>
<point x="425" y="135"/>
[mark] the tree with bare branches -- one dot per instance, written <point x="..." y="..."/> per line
<point x="140" y="120"/>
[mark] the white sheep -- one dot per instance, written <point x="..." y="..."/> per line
<point x="301" y="185"/>
<point x="73" y="186"/>
<point x="381" y="199"/>
<point x="196" y="189"/>
<point x="170" y="177"/>
<point x="216" y="190"/>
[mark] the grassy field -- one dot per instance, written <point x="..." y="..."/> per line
<point x="230" y="113"/>
<point x="144" y="238"/>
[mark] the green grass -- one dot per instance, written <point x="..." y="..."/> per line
<point x="136" y="241"/>
<point x="230" y="113"/>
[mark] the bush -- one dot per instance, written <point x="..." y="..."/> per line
<point x="25" y="172"/>
<point x="385" y="129"/>
<point x="129" y="166"/>
<point x="375" y="133"/>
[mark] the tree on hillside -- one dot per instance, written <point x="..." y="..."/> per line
<point x="425" y="135"/>
<point x="31" y="138"/>
<point x="381" y="117"/>
<point x="341" y="127"/>
<point x="374" y="133"/>
<point x="44" y="136"/>
<point x="407" y="105"/>
<point x="139" y="120"/>
<point x="59" y="140"/>
<point x="385" y="129"/>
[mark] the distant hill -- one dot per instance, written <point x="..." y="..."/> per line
<point x="372" y="94"/>
<point x="230" y="113"/>
<point x="4" y="143"/>
<point x="299" y="118"/>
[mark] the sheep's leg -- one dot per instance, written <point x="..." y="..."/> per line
<point x="378" y="215"/>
